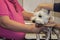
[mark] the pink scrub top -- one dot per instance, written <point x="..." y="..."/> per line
<point x="7" y="9"/>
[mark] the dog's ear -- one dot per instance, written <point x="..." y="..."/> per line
<point x="46" y="11"/>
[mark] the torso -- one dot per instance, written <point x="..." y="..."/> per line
<point x="16" y="16"/>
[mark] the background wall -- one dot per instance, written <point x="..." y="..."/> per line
<point x="21" y="2"/>
<point x="57" y="1"/>
<point x="57" y="14"/>
<point x="30" y="5"/>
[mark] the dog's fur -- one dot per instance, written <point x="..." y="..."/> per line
<point x="42" y="17"/>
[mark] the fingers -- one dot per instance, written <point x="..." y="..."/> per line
<point x="50" y="24"/>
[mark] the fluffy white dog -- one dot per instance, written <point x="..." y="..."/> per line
<point x="42" y="17"/>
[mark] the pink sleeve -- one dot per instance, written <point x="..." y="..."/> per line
<point x="19" y="6"/>
<point x="3" y="8"/>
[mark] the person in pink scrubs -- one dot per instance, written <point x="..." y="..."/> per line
<point x="12" y="24"/>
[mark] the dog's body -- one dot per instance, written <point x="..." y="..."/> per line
<point x="42" y="17"/>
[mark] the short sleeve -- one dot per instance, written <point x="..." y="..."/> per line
<point x="19" y="6"/>
<point x="57" y="7"/>
<point x="3" y="8"/>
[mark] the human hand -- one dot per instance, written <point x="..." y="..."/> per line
<point x="35" y="28"/>
<point x="44" y="5"/>
<point x="51" y="24"/>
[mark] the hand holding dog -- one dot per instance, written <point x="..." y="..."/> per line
<point x="50" y="23"/>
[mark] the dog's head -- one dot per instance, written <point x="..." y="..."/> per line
<point x="41" y="17"/>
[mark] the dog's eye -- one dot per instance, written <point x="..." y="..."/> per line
<point x="40" y="16"/>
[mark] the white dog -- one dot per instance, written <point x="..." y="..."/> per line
<point x="42" y="17"/>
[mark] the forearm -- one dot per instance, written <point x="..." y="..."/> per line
<point x="15" y="26"/>
<point x="47" y="6"/>
<point x="27" y="15"/>
<point x="57" y="25"/>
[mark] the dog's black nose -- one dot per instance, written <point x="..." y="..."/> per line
<point x="33" y="21"/>
<point x="40" y="16"/>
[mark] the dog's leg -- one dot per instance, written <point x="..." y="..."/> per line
<point x="57" y="32"/>
<point x="37" y="37"/>
<point x="49" y="33"/>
